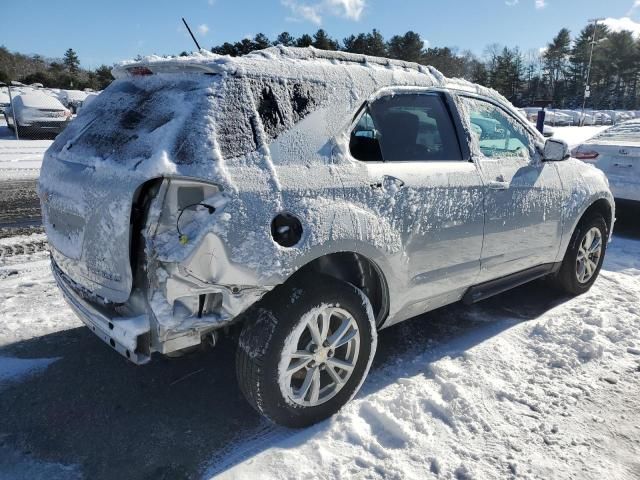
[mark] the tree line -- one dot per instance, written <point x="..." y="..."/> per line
<point x="64" y="72"/>
<point x="555" y="75"/>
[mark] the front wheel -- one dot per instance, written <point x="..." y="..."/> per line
<point x="306" y="351"/>
<point x="585" y="254"/>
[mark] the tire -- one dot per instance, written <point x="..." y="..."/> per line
<point x="279" y="325"/>
<point x="567" y="278"/>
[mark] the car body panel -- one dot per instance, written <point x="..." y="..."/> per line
<point x="618" y="156"/>
<point x="426" y="236"/>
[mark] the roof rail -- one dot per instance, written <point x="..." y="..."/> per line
<point x="311" y="53"/>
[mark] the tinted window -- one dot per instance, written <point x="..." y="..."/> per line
<point x="283" y="103"/>
<point x="235" y="132"/>
<point x="497" y="133"/>
<point x="408" y="127"/>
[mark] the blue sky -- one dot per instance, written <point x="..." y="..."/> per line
<point x="109" y="31"/>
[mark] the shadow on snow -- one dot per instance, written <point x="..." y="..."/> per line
<point x="185" y="417"/>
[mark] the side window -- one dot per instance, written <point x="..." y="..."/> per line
<point x="283" y="103"/>
<point x="364" y="143"/>
<point x="406" y="127"/>
<point x="496" y="132"/>
<point x="235" y="131"/>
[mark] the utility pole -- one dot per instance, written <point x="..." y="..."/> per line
<point x="587" y="88"/>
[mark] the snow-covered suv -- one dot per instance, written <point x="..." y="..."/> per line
<point x="315" y="198"/>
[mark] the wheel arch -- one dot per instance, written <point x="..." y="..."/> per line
<point x="603" y="206"/>
<point x="356" y="269"/>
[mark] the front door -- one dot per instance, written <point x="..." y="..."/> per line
<point x="523" y="198"/>
<point x="426" y="198"/>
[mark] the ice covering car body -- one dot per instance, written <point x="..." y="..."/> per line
<point x="195" y="189"/>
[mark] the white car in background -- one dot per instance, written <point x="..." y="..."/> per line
<point x="37" y="113"/>
<point x="616" y="152"/>
<point x="4" y="100"/>
<point x="73" y="99"/>
<point x="558" y="118"/>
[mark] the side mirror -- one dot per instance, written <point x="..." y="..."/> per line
<point x="555" y="150"/>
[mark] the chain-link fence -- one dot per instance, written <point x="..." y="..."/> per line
<point x="37" y="113"/>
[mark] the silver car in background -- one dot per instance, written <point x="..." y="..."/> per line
<point x="37" y="114"/>
<point x="306" y="199"/>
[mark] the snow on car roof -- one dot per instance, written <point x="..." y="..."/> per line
<point x="39" y="100"/>
<point x="74" y="94"/>
<point x="626" y="132"/>
<point x="295" y="62"/>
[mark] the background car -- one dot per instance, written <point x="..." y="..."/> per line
<point x="4" y="100"/>
<point x="557" y="118"/>
<point x="73" y="99"/>
<point x="616" y="152"/>
<point x="36" y="113"/>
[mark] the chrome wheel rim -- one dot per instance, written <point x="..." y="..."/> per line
<point x="319" y="356"/>
<point x="589" y="253"/>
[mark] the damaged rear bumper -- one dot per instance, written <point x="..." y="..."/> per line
<point x="129" y="336"/>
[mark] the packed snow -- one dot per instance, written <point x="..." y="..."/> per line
<point x="529" y="392"/>
<point x="553" y="396"/>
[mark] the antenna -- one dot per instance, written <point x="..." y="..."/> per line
<point x="191" y="33"/>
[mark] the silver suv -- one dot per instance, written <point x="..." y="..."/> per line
<point x="309" y="198"/>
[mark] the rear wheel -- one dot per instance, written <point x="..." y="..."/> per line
<point x="583" y="260"/>
<point x="306" y="351"/>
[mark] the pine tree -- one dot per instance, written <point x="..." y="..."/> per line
<point x="226" y="49"/>
<point x="71" y="61"/>
<point x="261" y="41"/>
<point x="304" y="41"/>
<point x="445" y="60"/>
<point x="323" y="41"/>
<point x="406" y="47"/>
<point x="285" y="39"/>
<point x="103" y="77"/>
<point x="579" y="62"/>
<point x="366" y="44"/>
<point x="556" y="64"/>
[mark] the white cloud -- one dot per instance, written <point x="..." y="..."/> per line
<point x="351" y="9"/>
<point x="511" y="3"/>
<point x="314" y="11"/>
<point x="203" y="29"/>
<point x="633" y="8"/>
<point x="306" y="12"/>
<point x="541" y="4"/>
<point x="624" y="23"/>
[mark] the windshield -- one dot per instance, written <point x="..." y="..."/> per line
<point x="629" y="131"/>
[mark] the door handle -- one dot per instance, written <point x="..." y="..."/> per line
<point x="498" y="185"/>
<point x="387" y="182"/>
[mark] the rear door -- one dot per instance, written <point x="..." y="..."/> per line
<point x="523" y="198"/>
<point x="420" y="182"/>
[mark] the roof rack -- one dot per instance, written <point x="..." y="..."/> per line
<point x="311" y="53"/>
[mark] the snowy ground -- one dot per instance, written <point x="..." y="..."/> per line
<point x="544" y="391"/>
<point x="529" y="384"/>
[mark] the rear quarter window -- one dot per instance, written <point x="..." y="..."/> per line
<point x="281" y="103"/>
